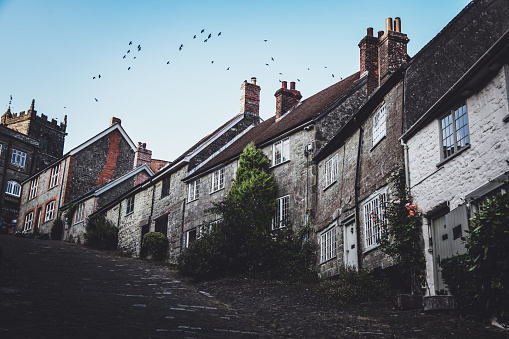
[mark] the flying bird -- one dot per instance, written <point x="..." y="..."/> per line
<point x="96" y="100"/>
<point x="325" y="66"/>
<point x="180" y="48"/>
<point x="212" y="62"/>
<point x="128" y="68"/>
<point x="128" y="51"/>
<point x="209" y="36"/>
<point x="139" y="48"/>
<point x="203" y="30"/>
<point x="308" y="69"/>
<point x="123" y="57"/>
<point x="93" y="77"/>
<point x="99" y="76"/>
<point x="130" y="43"/>
<point x="265" y="40"/>
<point x="333" y="75"/>
<point x="194" y="37"/>
<point x="228" y="69"/>
<point x="218" y="34"/>
<point x="298" y="80"/>
<point x="134" y="57"/>
<point x="271" y="58"/>
<point x="280" y="73"/>
<point x="168" y="63"/>
<point x="205" y="40"/>
<point x="266" y="64"/>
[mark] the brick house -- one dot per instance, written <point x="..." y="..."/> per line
<point x="457" y="135"/>
<point x="353" y="167"/>
<point x="106" y="156"/>
<point x="161" y="204"/>
<point x="28" y="143"/>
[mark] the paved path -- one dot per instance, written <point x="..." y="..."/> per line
<point x="51" y="289"/>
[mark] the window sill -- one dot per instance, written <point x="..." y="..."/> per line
<point x="377" y="143"/>
<point x="281" y="163"/>
<point x="329" y="185"/>
<point x="326" y="261"/>
<point x="371" y="248"/>
<point x="218" y="190"/>
<point x="190" y="201"/>
<point x="12" y="195"/>
<point x="453" y="156"/>
<point x="125" y="215"/>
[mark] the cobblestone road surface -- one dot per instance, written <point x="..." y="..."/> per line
<point x="51" y="289"/>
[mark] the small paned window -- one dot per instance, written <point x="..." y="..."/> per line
<point x="54" y="176"/>
<point x="331" y="170"/>
<point x="191" y="237"/>
<point x="34" y="184"/>
<point x="13" y="188"/>
<point x="281" y="151"/>
<point x="374" y="219"/>
<point x="18" y="158"/>
<point x="379" y="125"/>
<point x="281" y="216"/>
<point x="79" y="214"/>
<point x="50" y="211"/>
<point x="454" y="131"/>
<point x="217" y="180"/>
<point x="29" y="219"/>
<point x="327" y="244"/>
<point x="194" y="190"/>
<point x="129" y="208"/>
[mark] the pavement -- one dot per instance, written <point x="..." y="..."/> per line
<point x="53" y="289"/>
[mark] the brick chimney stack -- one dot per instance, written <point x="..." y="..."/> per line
<point x="114" y="121"/>
<point x="142" y="155"/>
<point x="381" y="56"/>
<point x="286" y="98"/>
<point x="250" y="97"/>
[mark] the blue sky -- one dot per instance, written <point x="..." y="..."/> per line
<point x="52" y="49"/>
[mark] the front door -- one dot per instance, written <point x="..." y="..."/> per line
<point x="350" y="245"/>
<point x="447" y="232"/>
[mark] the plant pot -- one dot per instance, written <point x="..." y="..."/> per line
<point x="439" y="302"/>
<point x="409" y="302"/>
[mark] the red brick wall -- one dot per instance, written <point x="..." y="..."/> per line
<point x="111" y="158"/>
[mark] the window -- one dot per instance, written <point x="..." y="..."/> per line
<point x="379" y="125"/>
<point x="190" y="237"/>
<point x="162" y="224"/>
<point x="331" y="170"/>
<point x="54" y="176"/>
<point x="194" y="190"/>
<point x="34" y="184"/>
<point x="18" y="158"/>
<point x="374" y="219"/>
<point x="13" y="188"/>
<point x="454" y="131"/>
<point x="165" y="190"/>
<point x="281" y="151"/>
<point x="281" y="217"/>
<point x="129" y="208"/>
<point x="79" y="214"/>
<point x="328" y="244"/>
<point x="217" y="180"/>
<point x="50" y="211"/>
<point x="29" y="218"/>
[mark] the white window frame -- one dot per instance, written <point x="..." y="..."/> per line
<point x="328" y="243"/>
<point x="331" y="170"/>
<point x="373" y="212"/>
<point x="193" y="190"/>
<point x="455" y="139"/>
<point x="29" y="219"/>
<point x="50" y="211"/>
<point x="379" y="124"/>
<point x="195" y="230"/>
<point x="217" y="180"/>
<point x="18" y="158"/>
<point x="54" y="176"/>
<point x="129" y="205"/>
<point x="79" y="214"/>
<point x="13" y="188"/>
<point x="282" y="212"/>
<point x="281" y="151"/>
<point x="34" y="185"/>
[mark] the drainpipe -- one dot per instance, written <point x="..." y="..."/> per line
<point x="405" y="156"/>
<point x="357" y="188"/>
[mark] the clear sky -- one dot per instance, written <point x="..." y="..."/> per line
<point x="52" y="49"/>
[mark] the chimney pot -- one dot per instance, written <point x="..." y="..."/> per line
<point x="144" y="145"/>
<point x="292" y="85"/>
<point x="397" y="24"/>
<point x="253" y="80"/>
<point x="284" y="85"/>
<point x="388" y="24"/>
<point x="369" y="31"/>
<point x="380" y="33"/>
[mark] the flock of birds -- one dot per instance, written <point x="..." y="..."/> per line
<point x="128" y="54"/>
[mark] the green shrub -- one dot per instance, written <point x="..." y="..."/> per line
<point x="101" y="233"/>
<point x="461" y="282"/>
<point x="57" y="229"/>
<point x="155" y="244"/>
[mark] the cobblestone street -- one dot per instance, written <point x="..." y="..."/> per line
<point x="51" y="289"/>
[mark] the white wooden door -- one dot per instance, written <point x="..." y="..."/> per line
<point x="350" y="246"/>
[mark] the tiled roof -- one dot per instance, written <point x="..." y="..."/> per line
<point x="306" y="110"/>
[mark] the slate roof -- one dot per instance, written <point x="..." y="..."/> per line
<point x="270" y="129"/>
